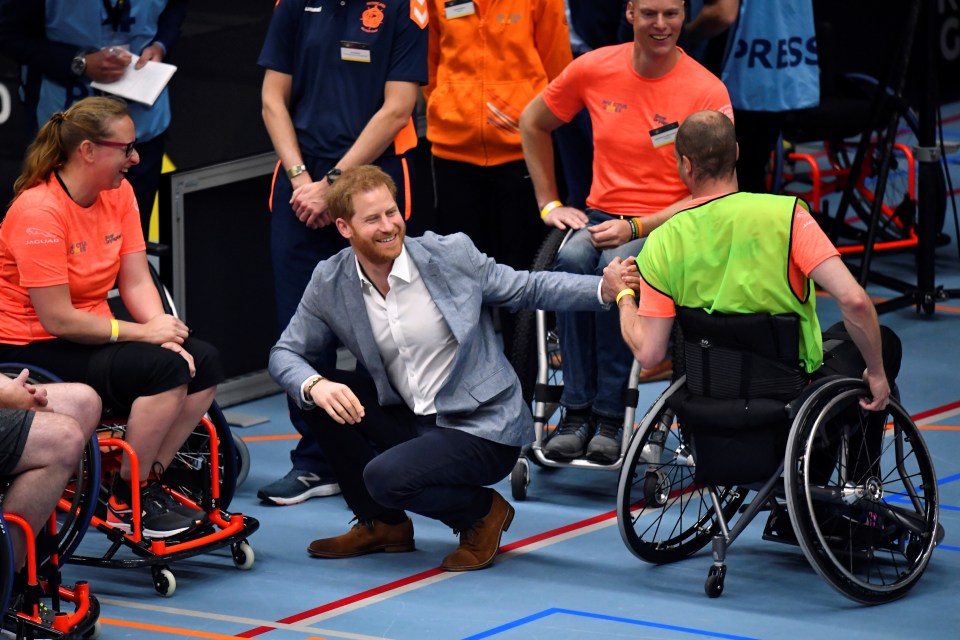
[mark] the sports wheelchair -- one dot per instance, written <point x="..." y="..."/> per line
<point x="26" y="613"/>
<point x="203" y="474"/>
<point x="856" y="490"/>
<point x="535" y="358"/>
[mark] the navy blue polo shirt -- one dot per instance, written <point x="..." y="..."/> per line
<point x="341" y="53"/>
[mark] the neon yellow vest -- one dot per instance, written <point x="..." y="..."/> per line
<point x="731" y="255"/>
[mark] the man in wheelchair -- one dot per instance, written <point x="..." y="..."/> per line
<point x="43" y="430"/>
<point x="758" y="408"/>
<point x="726" y="253"/>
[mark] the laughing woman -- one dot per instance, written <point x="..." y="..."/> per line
<point x="73" y="233"/>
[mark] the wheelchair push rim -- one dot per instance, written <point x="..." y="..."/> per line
<point x="862" y="494"/>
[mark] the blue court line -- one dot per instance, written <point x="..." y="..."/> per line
<point x="597" y="616"/>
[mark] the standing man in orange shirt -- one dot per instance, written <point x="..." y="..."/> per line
<point x="487" y="60"/>
<point x="637" y="95"/>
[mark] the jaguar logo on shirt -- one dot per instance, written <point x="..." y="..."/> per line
<point x="78" y="247"/>
<point x="40" y="236"/>
<point x="613" y="107"/>
<point x="372" y="17"/>
<point x="112" y="237"/>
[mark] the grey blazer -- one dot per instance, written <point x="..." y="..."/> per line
<point x="482" y="393"/>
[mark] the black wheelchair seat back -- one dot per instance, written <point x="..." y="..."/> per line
<point x="742" y="370"/>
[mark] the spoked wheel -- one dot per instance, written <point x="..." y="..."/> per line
<point x="898" y="215"/>
<point x="189" y="472"/>
<point x="662" y="513"/>
<point x="524" y="356"/>
<point x="861" y="493"/>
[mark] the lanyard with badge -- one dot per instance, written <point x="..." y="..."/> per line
<point x="114" y="13"/>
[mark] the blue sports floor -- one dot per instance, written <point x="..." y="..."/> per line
<point x="563" y="572"/>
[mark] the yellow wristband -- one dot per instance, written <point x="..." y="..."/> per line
<point x="550" y="206"/>
<point x="625" y="292"/>
<point x="639" y="223"/>
<point x="114" y="330"/>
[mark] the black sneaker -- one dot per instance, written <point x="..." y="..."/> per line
<point x="605" y="446"/>
<point x="570" y="441"/>
<point x="156" y="519"/>
<point x="159" y="492"/>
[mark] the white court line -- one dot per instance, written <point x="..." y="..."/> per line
<point x="252" y="622"/>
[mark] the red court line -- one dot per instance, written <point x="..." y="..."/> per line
<point x="336" y="604"/>
<point x="396" y="584"/>
<point x="933" y="412"/>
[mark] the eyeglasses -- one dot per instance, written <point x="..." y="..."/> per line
<point x="127" y="147"/>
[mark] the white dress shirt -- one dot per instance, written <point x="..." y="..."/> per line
<point x="414" y="340"/>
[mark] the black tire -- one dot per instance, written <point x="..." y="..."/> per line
<point x="520" y="479"/>
<point x="862" y="496"/>
<point x="523" y="355"/>
<point x="663" y="515"/>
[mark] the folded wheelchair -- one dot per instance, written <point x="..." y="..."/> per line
<point x="203" y="475"/>
<point x="856" y="490"/>
<point x="36" y="604"/>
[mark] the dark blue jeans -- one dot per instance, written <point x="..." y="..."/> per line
<point x="394" y="461"/>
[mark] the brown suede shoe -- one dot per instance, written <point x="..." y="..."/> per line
<point x="479" y="543"/>
<point x="366" y="537"/>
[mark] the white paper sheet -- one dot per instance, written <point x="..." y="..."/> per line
<point x="141" y="85"/>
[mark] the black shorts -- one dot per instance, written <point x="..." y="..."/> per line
<point x="14" y="428"/>
<point x="120" y="373"/>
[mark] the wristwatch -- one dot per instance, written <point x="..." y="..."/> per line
<point x="332" y="175"/>
<point x="79" y="64"/>
<point x="296" y="170"/>
<point x="307" y="388"/>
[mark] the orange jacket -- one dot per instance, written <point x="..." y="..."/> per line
<point x="484" y="69"/>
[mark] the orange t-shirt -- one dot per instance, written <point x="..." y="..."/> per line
<point x="635" y="120"/>
<point x="47" y="239"/>
<point x="810" y="246"/>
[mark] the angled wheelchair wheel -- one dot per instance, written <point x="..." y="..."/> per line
<point x="524" y="356"/>
<point x="862" y="494"/>
<point x="79" y="501"/>
<point x="189" y="471"/>
<point x="662" y="513"/>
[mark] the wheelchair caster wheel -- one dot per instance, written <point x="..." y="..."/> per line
<point x="714" y="584"/>
<point x="94" y="631"/>
<point x="656" y="489"/>
<point x="243" y="555"/>
<point x="520" y="479"/>
<point x="164" y="581"/>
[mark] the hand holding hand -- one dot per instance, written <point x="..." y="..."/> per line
<point x="630" y="273"/>
<point x="338" y="400"/>
<point x="107" y="65"/>
<point x="309" y="202"/>
<point x="612" y="281"/>
<point x="564" y="218"/>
